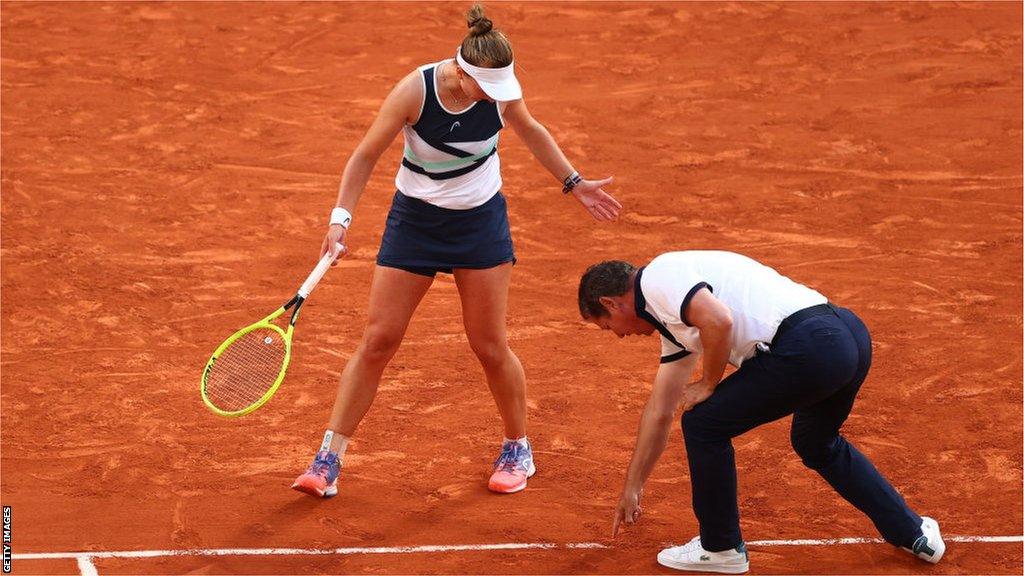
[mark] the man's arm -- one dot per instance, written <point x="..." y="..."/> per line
<point x="670" y="383"/>
<point x="714" y="320"/>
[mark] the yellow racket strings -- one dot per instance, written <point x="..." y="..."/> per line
<point x="246" y="370"/>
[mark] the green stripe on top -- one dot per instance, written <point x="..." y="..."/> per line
<point x="450" y="164"/>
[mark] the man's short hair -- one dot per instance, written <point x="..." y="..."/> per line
<point x="609" y="278"/>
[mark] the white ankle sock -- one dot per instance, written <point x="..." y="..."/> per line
<point x="524" y="441"/>
<point x="336" y="443"/>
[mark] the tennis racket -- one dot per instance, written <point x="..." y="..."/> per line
<point x="246" y="370"/>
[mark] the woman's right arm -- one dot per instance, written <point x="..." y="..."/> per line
<point x="401" y="106"/>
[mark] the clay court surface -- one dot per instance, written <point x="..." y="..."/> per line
<point x="168" y="170"/>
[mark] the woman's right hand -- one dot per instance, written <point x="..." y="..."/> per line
<point x="335" y="235"/>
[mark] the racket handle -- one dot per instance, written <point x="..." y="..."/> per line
<point x="321" y="268"/>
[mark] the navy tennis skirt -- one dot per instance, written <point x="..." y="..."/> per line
<point x="425" y="239"/>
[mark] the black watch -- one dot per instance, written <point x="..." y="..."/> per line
<point x="570" y="182"/>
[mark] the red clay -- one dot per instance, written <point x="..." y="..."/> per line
<point x="167" y="171"/>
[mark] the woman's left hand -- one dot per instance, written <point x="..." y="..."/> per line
<point x="598" y="202"/>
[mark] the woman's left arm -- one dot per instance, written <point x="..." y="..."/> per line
<point x="537" y="138"/>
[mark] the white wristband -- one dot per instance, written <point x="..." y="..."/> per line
<point x="341" y="216"/>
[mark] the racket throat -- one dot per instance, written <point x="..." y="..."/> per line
<point x="297" y="302"/>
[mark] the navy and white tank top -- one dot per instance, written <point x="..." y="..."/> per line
<point x="451" y="159"/>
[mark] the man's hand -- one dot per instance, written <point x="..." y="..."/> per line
<point x="628" y="509"/>
<point x="696" y="393"/>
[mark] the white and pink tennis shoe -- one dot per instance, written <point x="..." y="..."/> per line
<point x="513" y="467"/>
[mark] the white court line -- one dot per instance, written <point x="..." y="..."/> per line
<point x="87" y="568"/>
<point x="441" y="548"/>
<point x="838" y="541"/>
<point x="303" y="551"/>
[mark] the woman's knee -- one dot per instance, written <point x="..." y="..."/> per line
<point x="491" y="353"/>
<point x="379" y="346"/>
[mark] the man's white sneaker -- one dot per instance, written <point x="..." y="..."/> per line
<point x="693" y="556"/>
<point x="928" y="547"/>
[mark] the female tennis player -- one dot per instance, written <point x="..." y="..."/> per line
<point x="447" y="216"/>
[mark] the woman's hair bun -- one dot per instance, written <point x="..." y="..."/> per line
<point x="477" y="22"/>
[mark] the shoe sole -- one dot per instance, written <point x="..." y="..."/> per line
<point x="517" y="487"/>
<point x="717" y="568"/>
<point x="314" y="491"/>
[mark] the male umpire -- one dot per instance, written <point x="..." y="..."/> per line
<point x="795" y="353"/>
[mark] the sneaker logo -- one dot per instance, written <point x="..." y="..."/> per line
<point x="454" y="126"/>
<point x="921" y="545"/>
<point x="705" y="558"/>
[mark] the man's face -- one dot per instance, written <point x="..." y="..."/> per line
<point x="621" y="318"/>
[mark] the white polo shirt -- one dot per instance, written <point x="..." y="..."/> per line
<point x="758" y="297"/>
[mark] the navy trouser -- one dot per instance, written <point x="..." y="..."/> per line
<point x="813" y="371"/>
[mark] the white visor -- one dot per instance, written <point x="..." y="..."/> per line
<point x="498" y="83"/>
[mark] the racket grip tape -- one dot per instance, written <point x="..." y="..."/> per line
<point x="321" y="268"/>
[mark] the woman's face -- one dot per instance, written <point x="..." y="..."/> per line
<point x="470" y="87"/>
